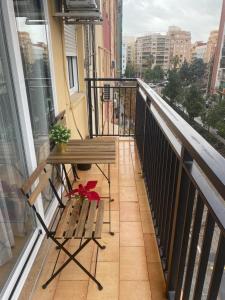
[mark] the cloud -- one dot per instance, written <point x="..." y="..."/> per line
<point x="198" y="16"/>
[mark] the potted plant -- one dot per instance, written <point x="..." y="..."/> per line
<point x="60" y="135"/>
<point x="85" y="192"/>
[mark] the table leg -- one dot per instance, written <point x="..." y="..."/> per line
<point x="67" y="178"/>
<point x="110" y="200"/>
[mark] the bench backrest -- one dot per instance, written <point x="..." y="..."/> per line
<point x="43" y="176"/>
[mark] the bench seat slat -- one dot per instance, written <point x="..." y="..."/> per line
<point x="90" y="221"/>
<point x="74" y="217"/>
<point x="82" y="219"/>
<point x="100" y="219"/>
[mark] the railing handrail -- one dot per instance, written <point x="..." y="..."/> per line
<point x="208" y="158"/>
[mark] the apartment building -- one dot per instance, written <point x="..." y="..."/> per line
<point x="179" y="44"/>
<point x="45" y="55"/>
<point x="199" y="50"/>
<point x="128" y="51"/>
<point x="218" y="72"/>
<point x="152" y="50"/>
<point x="211" y="45"/>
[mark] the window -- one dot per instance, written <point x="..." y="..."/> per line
<point x="72" y="73"/>
<point x="71" y="56"/>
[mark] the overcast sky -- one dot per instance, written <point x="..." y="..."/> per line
<point x="198" y="16"/>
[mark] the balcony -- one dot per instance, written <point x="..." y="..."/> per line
<point x="169" y="210"/>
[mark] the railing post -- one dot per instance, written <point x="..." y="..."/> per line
<point x="89" y="102"/>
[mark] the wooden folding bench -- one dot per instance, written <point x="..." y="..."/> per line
<point x="73" y="220"/>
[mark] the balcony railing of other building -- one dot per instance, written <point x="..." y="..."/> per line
<point x="185" y="180"/>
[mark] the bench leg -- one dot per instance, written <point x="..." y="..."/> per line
<point x="99" y="245"/>
<point x="72" y="258"/>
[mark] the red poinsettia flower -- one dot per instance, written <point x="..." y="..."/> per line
<point x="84" y="191"/>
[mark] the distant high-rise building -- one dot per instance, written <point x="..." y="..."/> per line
<point x="180" y="45"/>
<point x="152" y="50"/>
<point x="124" y="58"/>
<point x="129" y="50"/>
<point x="218" y="72"/>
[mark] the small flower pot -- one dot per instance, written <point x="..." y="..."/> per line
<point x="84" y="167"/>
<point x="60" y="148"/>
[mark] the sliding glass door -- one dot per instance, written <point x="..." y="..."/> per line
<point x="32" y="33"/>
<point x="17" y="222"/>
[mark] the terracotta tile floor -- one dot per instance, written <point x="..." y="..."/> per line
<point x="129" y="268"/>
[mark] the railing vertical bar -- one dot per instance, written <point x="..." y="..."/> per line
<point x="90" y="109"/>
<point x="204" y="257"/>
<point x="156" y="166"/>
<point x="165" y="207"/>
<point x="108" y="111"/>
<point x="160" y="174"/>
<point x="163" y="187"/>
<point x="172" y="196"/>
<point x="178" y="227"/>
<point x="187" y="221"/>
<point x="124" y="113"/>
<point x="113" y="121"/>
<point x="119" y="112"/>
<point x="130" y="110"/>
<point x="218" y="269"/>
<point x="103" y="112"/>
<point x="193" y="248"/>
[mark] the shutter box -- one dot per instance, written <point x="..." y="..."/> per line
<point x="70" y="40"/>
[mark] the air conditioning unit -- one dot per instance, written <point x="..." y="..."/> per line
<point x="77" y="4"/>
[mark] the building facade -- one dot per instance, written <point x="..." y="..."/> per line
<point x="199" y="50"/>
<point x="211" y="45"/>
<point x="43" y="65"/>
<point x="152" y="50"/>
<point x="218" y="71"/>
<point x="180" y="45"/>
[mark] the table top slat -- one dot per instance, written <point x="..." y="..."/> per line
<point x="87" y="151"/>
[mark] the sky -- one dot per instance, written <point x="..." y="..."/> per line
<point x="198" y="16"/>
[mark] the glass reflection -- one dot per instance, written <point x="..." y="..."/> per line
<point x="32" y="32"/>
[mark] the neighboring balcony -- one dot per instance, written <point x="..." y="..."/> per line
<point x="169" y="211"/>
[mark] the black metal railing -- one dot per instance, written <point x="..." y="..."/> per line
<point x="111" y="106"/>
<point x="185" y="181"/>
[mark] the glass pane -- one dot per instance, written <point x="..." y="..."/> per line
<point x="16" y="218"/>
<point x="32" y="31"/>
<point x="75" y="73"/>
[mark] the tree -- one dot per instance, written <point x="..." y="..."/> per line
<point x="149" y="61"/>
<point x="157" y="74"/>
<point x="194" y="102"/>
<point x="130" y="71"/>
<point x="216" y="117"/>
<point x="198" y="71"/>
<point x="173" y="88"/>
<point x="185" y="73"/>
<point x="175" y="61"/>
